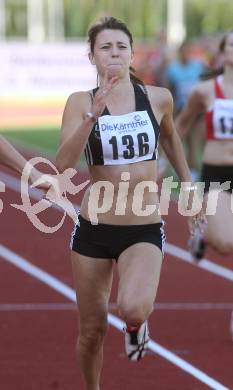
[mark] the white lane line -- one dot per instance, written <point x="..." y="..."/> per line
<point x="68" y="292"/>
<point x="37" y="306"/>
<point x="34" y="271"/>
<point x="113" y="306"/>
<point x="14" y="184"/>
<point x="181" y="254"/>
<point x="204" y="264"/>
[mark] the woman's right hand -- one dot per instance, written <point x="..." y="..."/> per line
<point x="99" y="100"/>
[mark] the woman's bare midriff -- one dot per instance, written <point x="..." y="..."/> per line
<point x="218" y="152"/>
<point x="113" y="181"/>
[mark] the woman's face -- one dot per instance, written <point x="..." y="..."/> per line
<point x="112" y="53"/>
<point x="228" y="50"/>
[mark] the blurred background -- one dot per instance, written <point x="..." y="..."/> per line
<point x="43" y="53"/>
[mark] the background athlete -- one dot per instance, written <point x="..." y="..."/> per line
<point x="214" y="97"/>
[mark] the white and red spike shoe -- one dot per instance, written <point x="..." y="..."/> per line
<point x="136" y="341"/>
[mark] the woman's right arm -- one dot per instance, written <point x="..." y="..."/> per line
<point x="194" y="106"/>
<point x="75" y="130"/>
<point x="76" y="127"/>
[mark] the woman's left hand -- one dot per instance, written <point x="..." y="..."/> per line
<point x="198" y="221"/>
<point x="193" y="202"/>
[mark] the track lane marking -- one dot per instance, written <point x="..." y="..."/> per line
<point x="173" y="306"/>
<point x="68" y="292"/>
<point x="205" y="264"/>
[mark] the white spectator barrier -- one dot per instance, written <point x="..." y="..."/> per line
<point x="36" y="79"/>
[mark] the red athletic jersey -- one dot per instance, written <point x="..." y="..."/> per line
<point x="219" y="119"/>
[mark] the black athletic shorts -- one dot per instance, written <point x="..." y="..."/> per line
<point x="109" y="241"/>
<point x="217" y="173"/>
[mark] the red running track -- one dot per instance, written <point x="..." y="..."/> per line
<point x="38" y="325"/>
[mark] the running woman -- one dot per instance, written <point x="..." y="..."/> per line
<point x="214" y="97"/>
<point x="117" y="125"/>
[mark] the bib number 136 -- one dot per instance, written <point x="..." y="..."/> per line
<point x="128" y="142"/>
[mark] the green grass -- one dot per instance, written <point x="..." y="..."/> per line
<point x="44" y="141"/>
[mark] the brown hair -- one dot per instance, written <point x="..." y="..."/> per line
<point x="111" y="23"/>
<point x="212" y="73"/>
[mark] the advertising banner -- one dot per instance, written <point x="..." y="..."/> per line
<point x="36" y="80"/>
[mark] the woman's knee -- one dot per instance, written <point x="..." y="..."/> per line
<point x="224" y="246"/>
<point x="91" y="335"/>
<point x="134" y="313"/>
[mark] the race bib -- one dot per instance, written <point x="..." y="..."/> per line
<point x="127" y="138"/>
<point x="223" y="119"/>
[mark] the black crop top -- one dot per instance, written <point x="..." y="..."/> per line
<point x="124" y="139"/>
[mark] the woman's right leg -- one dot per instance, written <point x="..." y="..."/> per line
<point x="219" y="232"/>
<point x="93" y="281"/>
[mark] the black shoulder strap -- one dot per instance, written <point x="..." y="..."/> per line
<point x="90" y="93"/>
<point x="143" y="87"/>
<point x="143" y="103"/>
<point x="141" y="97"/>
<point x="94" y="91"/>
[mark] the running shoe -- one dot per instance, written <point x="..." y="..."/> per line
<point x="196" y="245"/>
<point x="136" y="341"/>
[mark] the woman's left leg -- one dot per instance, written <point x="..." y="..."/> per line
<point x="139" y="269"/>
<point x="219" y="232"/>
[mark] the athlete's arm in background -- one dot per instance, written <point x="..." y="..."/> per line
<point x="11" y="158"/>
<point x="194" y="107"/>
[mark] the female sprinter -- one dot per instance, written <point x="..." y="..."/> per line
<point x="117" y="125"/>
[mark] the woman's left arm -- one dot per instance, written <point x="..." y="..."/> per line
<point x="171" y="143"/>
<point x="170" y="140"/>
